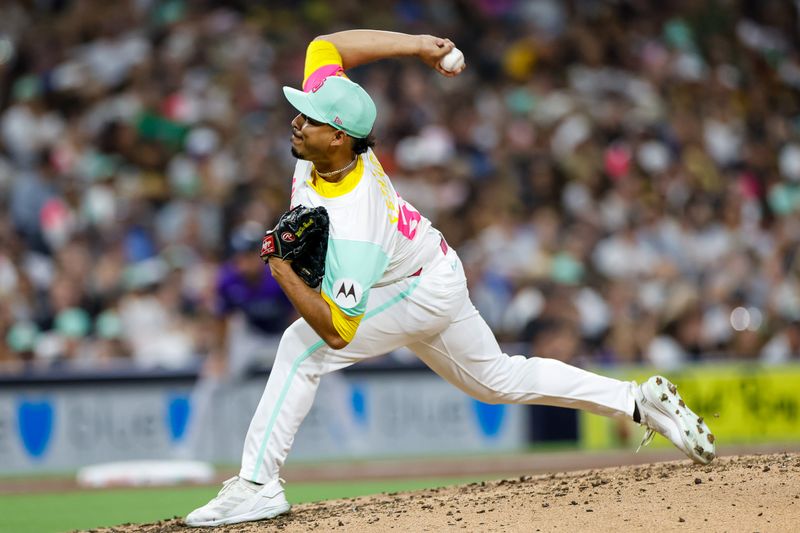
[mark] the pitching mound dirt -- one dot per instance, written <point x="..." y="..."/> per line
<point x="746" y="493"/>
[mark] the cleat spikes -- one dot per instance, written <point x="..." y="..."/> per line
<point x="663" y="411"/>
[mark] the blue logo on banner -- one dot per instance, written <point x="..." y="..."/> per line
<point x="358" y="400"/>
<point x="178" y="409"/>
<point x="35" y="421"/>
<point x="490" y="417"/>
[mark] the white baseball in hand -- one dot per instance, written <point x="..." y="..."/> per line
<point x="453" y="61"/>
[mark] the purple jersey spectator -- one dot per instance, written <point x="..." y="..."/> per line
<point x="261" y="299"/>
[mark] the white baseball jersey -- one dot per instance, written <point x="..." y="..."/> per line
<point x="376" y="238"/>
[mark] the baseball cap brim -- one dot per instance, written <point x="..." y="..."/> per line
<point x="337" y="102"/>
<point x="302" y="103"/>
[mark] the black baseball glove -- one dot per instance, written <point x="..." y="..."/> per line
<point x="301" y="236"/>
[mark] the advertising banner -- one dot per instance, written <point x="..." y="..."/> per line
<point x="742" y="404"/>
<point x="62" y="427"/>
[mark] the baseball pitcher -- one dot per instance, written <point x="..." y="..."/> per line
<point x="386" y="279"/>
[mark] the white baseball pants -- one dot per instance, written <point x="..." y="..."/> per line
<point x="433" y="316"/>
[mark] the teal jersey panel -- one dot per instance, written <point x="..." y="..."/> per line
<point x="351" y="268"/>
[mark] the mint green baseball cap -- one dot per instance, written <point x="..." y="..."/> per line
<point x="338" y="102"/>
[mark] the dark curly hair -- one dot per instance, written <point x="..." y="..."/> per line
<point x="361" y="145"/>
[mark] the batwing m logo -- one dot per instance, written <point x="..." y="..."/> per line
<point x="347" y="293"/>
<point x="35" y="422"/>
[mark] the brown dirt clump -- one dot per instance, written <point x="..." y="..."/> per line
<point x="744" y="493"/>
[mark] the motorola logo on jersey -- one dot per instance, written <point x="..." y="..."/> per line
<point x="347" y="293"/>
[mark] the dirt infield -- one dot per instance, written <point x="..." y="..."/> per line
<point x="737" y="493"/>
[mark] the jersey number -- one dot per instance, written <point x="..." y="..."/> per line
<point x="408" y="220"/>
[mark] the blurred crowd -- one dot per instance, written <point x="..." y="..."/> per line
<point x="621" y="178"/>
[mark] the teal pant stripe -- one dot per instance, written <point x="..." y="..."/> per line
<point x="402" y="296"/>
<point x="305" y="355"/>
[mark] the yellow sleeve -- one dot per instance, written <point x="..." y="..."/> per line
<point x="322" y="60"/>
<point x="345" y="325"/>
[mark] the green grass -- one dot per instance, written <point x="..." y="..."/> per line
<point x="66" y="511"/>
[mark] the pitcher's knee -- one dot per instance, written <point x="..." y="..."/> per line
<point x="500" y="383"/>
<point x="487" y="393"/>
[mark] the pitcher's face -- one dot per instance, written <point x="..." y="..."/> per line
<point x="312" y="140"/>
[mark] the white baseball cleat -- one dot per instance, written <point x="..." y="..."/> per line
<point x="663" y="410"/>
<point x="240" y="501"/>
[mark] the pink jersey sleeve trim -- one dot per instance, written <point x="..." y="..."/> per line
<point x="315" y="79"/>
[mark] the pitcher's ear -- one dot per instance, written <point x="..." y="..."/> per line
<point x="339" y="138"/>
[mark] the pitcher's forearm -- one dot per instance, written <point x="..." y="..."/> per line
<point x="358" y="47"/>
<point x="307" y="302"/>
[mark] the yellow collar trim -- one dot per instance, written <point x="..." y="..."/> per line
<point x="341" y="187"/>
